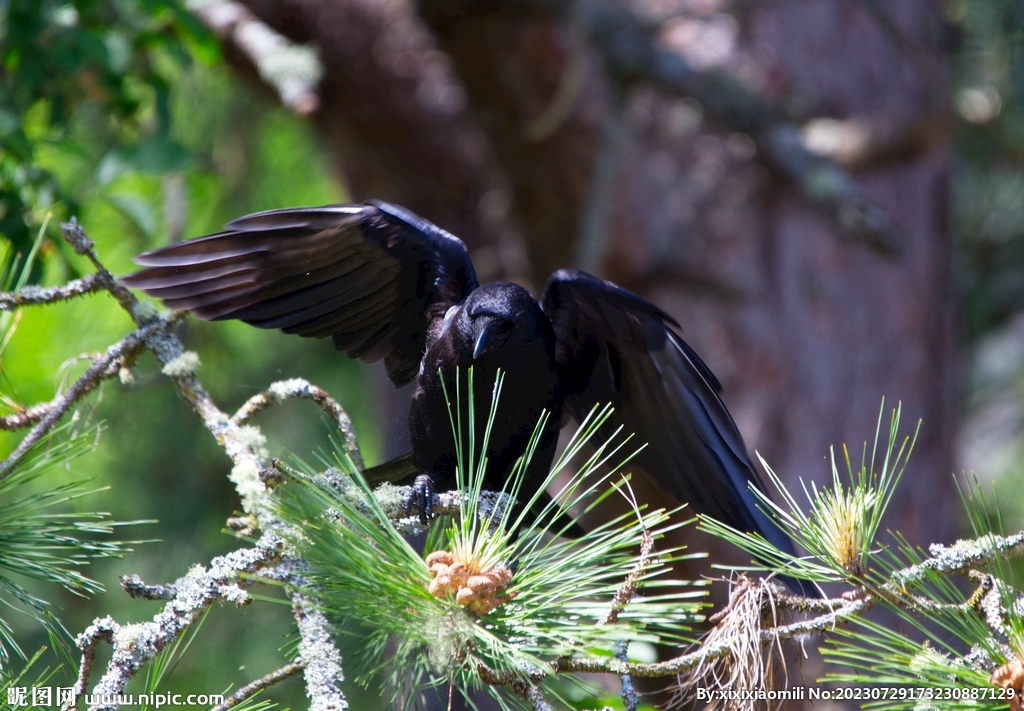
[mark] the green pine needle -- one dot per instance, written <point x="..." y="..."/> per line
<point x="38" y="541"/>
<point x="889" y="661"/>
<point x="839" y="529"/>
<point x="368" y="578"/>
<point x="960" y="650"/>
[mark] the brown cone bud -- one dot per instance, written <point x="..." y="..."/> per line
<point x="482" y="607"/>
<point x="1011" y="676"/>
<point x="465" y="596"/>
<point x="459" y="573"/>
<point x="437" y="588"/>
<point x="482" y="585"/>
<point x="501" y="577"/>
<point x="439" y="557"/>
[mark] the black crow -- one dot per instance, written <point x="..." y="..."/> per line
<point x="385" y="283"/>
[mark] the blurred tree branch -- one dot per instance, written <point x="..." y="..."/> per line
<point x="632" y="55"/>
<point x="293" y="71"/>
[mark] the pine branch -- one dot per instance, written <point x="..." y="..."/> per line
<point x="530" y="692"/>
<point x="628" y="589"/>
<point x="958" y="559"/>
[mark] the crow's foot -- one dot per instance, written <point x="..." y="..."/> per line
<point x="422" y="497"/>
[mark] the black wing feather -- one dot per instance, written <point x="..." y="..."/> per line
<point x="613" y="346"/>
<point x="373" y="277"/>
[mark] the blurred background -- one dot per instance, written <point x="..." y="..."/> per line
<point x="828" y="195"/>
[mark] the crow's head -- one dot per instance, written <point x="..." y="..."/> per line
<point x="503" y="315"/>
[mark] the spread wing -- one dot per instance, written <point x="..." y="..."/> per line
<point x="613" y="346"/>
<point x="372" y="277"/>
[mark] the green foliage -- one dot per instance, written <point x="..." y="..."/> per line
<point x="38" y="539"/>
<point x="966" y="633"/>
<point x="178" y="123"/>
<point x="65" y="62"/>
<point x="932" y="675"/>
<point x="15" y="271"/>
<point x="367" y="577"/>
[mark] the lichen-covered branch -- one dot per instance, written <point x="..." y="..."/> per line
<point x="253" y="688"/>
<point x="99" y="630"/>
<point x="26" y="417"/>
<point x="137" y="588"/>
<point x="45" y="416"/>
<point x="402" y="508"/>
<point x="300" y="388"/>
<point x="322" y="671"/>
<point x="961" y="557"/>
<point x="80" y="242"/>
<point x="530" y="692"/>
<point x="292" y="70"/>
<point x="136" y="644"/>
<point x="39" y="295"/>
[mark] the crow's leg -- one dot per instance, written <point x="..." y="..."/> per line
<point x="422" y="497"/>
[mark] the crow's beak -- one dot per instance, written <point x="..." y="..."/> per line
<point x="486" y="339"/>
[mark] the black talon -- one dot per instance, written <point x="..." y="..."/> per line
<point x="422" y="495"/>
